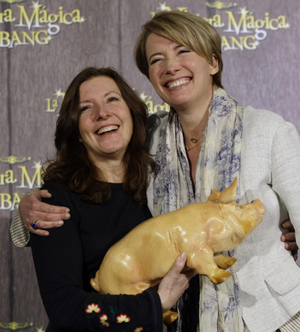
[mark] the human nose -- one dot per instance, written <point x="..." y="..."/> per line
<point x="102" y="112"/>
<point x="172" y="66"/>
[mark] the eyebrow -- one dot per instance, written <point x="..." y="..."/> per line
<point x="84" y="101"/>
<point x="159" y="53"/>
<point x="89" y="101"/>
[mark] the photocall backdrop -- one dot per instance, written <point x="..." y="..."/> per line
<point x="44" y="44"/>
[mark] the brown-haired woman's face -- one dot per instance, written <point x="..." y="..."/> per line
<point x="105" y="123"/>
<point x="181" y="77"/>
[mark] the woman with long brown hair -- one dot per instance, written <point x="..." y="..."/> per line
<point x="100" y="173"/>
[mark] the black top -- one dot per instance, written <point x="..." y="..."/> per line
<point x="69" y="257"/>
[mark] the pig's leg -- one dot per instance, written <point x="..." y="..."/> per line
<point x="224" y="262"/>
<point x="170" y="316"/>
<point x="203" y="262"/>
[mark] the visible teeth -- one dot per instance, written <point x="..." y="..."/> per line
<point x="177" y="83"/>
<point x="107" y="129"/>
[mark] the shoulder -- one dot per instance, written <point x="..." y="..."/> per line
<point x="61" y="195"/>
<point x="268" y="135"/>
<point x="261" y="117"/>
<point x="57" y="187"/>
<point x="264" y="123"/>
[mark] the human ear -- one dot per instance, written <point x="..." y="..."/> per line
<point x="214" y="65"/>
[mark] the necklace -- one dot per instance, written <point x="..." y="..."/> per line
<point x="188" y="149"/>
<point x="194" y="140"/>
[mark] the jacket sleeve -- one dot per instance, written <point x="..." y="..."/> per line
<point x="286" y="171"/>
<point x="19" y="234"/>
<point x="60" y="266"/>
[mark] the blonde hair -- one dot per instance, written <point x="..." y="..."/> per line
<point x="185" y="29"/>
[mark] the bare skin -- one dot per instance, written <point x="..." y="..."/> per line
<point x="175" y="279"/>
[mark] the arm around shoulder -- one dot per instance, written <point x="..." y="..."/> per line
<point x="62" y="271"/>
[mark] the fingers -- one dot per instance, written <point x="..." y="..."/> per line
<point x="40" y="232"/>
<point x="45" y="213"/>
<point x="30" y="205"/>
<point x="48" y="224"/>
<point x="174" y="283"/>
<point x="49" y="210"/>
<point x="39" y="194"/>
<point x="49" y="216"/>
<point x="288" y="225"/>
<point x="35" y="230"/>
<point x="42" y="224"/>
<point x="39" y="227"/>
<point x="178" y="267"/>
<point x="291" y="246"/>
<point x="288" y="237"/>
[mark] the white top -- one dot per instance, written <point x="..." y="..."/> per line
<point x="268" y="276"/>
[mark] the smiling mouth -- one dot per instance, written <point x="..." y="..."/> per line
<point x="107" y="129"/>
<point x="177" y="83"/>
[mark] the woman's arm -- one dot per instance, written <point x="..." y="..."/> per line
<point x="32" y="210"/>
<point x="61" y="269"/>
<point x="286" y="177"/>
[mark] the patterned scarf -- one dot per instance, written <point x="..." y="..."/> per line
<point x="171" y="188"/>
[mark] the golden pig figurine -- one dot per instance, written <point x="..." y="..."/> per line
<point x="201" y="230"/>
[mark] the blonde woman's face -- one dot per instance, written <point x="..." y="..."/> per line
<point x="181" y="77"/>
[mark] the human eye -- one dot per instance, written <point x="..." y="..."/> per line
<point x="184" y="50"/>
<point x="112" y="99"/>
<point x="154" y="60"/>
<point x="84" y="108"/>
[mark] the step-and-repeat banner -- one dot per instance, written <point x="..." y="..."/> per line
<point x="45" y="43"/>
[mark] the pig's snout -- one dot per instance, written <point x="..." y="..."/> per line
<point x="259" y="206"/>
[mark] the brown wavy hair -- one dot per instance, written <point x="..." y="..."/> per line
<point x="186" y="29"/>
<point x="72" y="166"/>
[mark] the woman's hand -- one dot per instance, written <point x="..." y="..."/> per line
<point x="174" y="283"/>
<point x="289" y="238"/>
<point x="35" y="213"/>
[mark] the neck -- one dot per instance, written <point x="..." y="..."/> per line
<point x="111" y="171"/>
<point x="194" y="121"/>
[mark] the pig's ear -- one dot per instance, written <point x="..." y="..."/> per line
<point x="228" y="194"/>
<point x="214" y="196"/>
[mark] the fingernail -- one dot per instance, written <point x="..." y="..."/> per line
<point x="183" y="256"/>
<point x="67" y="210"/>
<point x="60" y="223"/>
<point x="68" y="215"/>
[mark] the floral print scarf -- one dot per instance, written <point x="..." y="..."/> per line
<point x="171" y="188"/>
